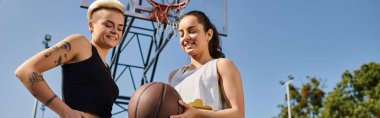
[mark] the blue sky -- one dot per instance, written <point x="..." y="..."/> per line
<point x="268" y="40"/>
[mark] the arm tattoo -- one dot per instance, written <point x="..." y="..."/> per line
<point x="66" y="47"/>
<point x="51" y="50"/>
<point x="35" y="78"/>
<point x="50" y="100"/>
<point x="59" y="61"/>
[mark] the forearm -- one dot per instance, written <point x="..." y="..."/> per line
<point x="226" y="113"/>
<point x="37" y="86"/>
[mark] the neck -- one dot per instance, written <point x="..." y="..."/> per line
<point x="198" y="61"/>
<point x="102" y="51"/>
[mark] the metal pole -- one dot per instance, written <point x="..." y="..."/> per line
<point x="35" y="108"/>
<point x="288" y="96"/>
<point x="287" y="92"/>
<point x="43" y="110"/>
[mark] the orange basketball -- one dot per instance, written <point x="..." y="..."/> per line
<point x="154" y="100"/>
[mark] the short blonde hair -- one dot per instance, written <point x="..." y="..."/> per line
<point x="104" y="4"/>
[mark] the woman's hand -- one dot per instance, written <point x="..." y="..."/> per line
<point x="190" y="112"/>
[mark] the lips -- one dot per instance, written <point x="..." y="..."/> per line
<point x="111" y="37"/>
<point x="189" y="44"/>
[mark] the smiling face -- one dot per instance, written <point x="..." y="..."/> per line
<point x="106" y="27"/>
<point x="193" y="37"/>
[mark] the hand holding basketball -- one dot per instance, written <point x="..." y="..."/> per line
<point x="154" y="100"/>
<point x="190" y="112"/>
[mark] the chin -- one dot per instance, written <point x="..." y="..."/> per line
<point x="111" y="45"/>
<point x="189" y="52"/>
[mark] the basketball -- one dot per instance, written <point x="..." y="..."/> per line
<point x="154" y="100"/>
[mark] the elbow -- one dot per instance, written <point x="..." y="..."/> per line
<point x="239" y="113"/>
<point x="19" y="72"/>
<point x="22" y="73"/>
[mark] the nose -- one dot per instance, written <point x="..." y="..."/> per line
<point x="113" y="30"/>
<point x="186" y="36"/>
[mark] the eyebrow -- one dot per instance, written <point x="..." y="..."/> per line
<point x="193" y="26"/>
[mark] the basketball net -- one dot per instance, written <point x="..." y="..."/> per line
<point x="167" y="12"/>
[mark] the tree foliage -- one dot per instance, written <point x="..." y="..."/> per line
<point x="305" y="101"/>
<point x="357" y="95"/>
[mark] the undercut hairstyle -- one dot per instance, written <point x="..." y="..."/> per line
<point x="105" y="4"/>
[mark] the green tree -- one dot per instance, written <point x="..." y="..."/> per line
<point x="306" y="101"/>
<point x="356" y="96"/>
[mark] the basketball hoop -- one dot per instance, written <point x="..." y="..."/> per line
<point x="160" y="11"/>
<point x="166" y="14"/>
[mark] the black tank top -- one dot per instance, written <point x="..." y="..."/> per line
<point x="88" y="86"/>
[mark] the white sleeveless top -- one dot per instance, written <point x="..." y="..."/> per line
<point x="201" y="83"/>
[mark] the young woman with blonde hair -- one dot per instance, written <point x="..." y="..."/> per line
<point x="87" y="86"/>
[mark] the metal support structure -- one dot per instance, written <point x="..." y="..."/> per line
<point x="157" y="39"/>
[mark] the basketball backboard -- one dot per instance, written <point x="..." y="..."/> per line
<point x="216" y="10"/>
